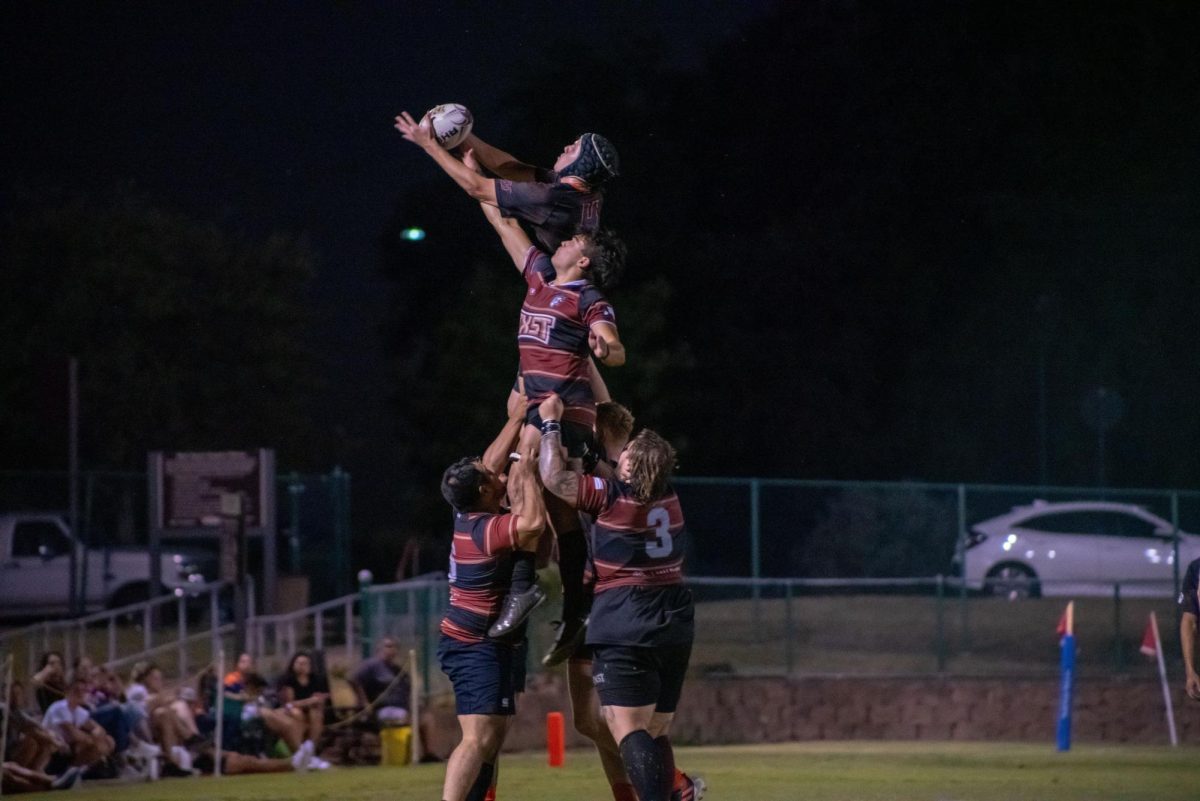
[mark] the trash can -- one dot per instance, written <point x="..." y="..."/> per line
<point x="395" y="745"/>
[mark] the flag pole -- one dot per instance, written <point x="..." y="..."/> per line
<point x="1162" y="675"/>
<point x="1066" y="692"/>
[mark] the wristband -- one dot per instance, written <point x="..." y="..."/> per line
<point x="551" y="427"/>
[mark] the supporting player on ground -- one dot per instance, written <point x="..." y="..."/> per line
<point x="642" y="620"/>
<point x="483" y="671"/>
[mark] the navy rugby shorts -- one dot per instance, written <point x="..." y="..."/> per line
<point x="483" y="675"/>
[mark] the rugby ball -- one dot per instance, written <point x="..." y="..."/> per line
<point x="451" y="124"/>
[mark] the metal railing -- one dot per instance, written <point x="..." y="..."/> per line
<point x="128" y="633"/>
<point x="765" y="626"/>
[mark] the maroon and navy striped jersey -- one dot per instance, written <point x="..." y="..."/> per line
<point x="633" y="543"/>
<point x="480" y="572"/>
<point x="553" y="338"/>
<point x="637" y="553"/>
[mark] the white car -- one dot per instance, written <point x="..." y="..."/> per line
<point x="1075" y="548"/>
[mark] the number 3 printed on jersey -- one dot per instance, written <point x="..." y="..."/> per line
<point x="661" y="520"/>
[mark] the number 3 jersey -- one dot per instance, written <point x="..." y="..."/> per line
<point x="553" y="338"/>
<point x="637" y="553"/>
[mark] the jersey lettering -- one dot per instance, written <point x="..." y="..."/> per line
<point x="661" y="520"/>
<point x="536" y="326"/>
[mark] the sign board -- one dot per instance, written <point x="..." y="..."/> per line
<point x="187" y="488"/>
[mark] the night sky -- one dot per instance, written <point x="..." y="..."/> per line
<point x="877" y="222"/>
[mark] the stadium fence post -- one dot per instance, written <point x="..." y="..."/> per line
<point x="1118" y="650"/>
<point x="414" y="703"/>
<point x="365" y="578"/>
<point x="940" y="644"/>
<point x="790" y="633"/>
<point x="965" y="635"/>
<point x="755" y="543"/>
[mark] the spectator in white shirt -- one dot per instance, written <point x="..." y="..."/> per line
<point x="70" y="720"/>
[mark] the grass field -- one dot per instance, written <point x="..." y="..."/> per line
<point x="788" y="772"/>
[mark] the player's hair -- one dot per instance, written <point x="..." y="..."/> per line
<point x="606" y="257"/>
<point x="613" y="422"/>
<point x="651" y="462"/>
<point x="461" y="482"/>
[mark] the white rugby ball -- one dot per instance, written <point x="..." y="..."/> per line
<point x="451" y="124"/>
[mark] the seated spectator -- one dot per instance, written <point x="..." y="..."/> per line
<point x="381" y="683"/>
<point x="258" y="719"/>
<point x="87" y="743"/>
<point x="50" y="681"/>
<point x="105" y="700"/>
<point x="29" y="744"/>
<point x="304" y="694"/>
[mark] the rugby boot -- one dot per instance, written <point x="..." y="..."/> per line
<point x="567" y="640"/>
<point x="688" y="788"/>
<point x="518" y="606"/>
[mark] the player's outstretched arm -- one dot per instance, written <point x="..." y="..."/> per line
<point x="606" y="345"/>
<point x="512" y="236"/>
<point x="496" y="455"/>
<point x="557" y="477"/>
<point x="503" y="164"/>
<point x="526" y="498"/>
<point x="474" y="184"/>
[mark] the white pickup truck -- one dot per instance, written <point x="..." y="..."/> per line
<point x="35" y="568"/>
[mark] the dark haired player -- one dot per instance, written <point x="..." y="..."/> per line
<point x="558" y="203"/>
<point x="565" y="320"/>
<point x="484" y="672"/>
<point x="642" y="619"/>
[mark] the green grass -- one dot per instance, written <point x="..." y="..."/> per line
<point x="788" y="772"/>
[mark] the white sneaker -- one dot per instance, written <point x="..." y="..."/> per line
<point x="143" y="749"/>
<point x="303" y="757"/>
<point x="319" y="764"/>
<point x="181" y="757"/>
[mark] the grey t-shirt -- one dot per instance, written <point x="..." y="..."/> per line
<point x="374" y="675"/>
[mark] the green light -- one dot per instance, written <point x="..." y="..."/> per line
<point x="413" y="234"/>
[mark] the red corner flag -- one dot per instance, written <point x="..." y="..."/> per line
<point x="1066" y="623"/>
<point x="1150" y="639"/>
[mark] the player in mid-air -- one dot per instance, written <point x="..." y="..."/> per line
<point x="642" y="619"/>
<point x="563" y="208"/>
<point x="485" y="673"/>
<point x="557" y="203"/>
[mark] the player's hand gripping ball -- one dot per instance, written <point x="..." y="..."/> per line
<point x="451" y="124"/>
